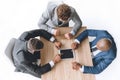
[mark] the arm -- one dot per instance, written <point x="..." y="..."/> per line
<point x="93" y="33"/>
<point x="43" y="20"/>
<point x="38" y="70"/>
<point x="31" y="68"/>
<point x="78" y="23"/>
<point x="98" y="67"/>
<point x="78" y="39"/>
<point x="76" y="27"/>
<point x="34" y="33"/>
<point x="42" y="33"/>
<point x="96" y="33"/>
<point x="82" y="36"/>
<point x="48" y="14"/>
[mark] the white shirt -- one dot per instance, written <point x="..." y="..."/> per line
<point x="51" y="63"/>
<point x="93" y="54"/>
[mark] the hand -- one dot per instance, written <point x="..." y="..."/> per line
<point x="74" y="45"/>
<point x="57" y="58"/>
<point x="76" y="65"/>
<point x="68" y="35"/>
<point x="58" y="44"/>
<point x="56" y="32"/>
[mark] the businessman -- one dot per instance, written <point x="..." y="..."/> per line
<point x="103" y="50"/>
<point x="59" y="15"/>
<point x="26" y="52"/>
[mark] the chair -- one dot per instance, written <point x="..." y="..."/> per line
<point x="9" y="49"/>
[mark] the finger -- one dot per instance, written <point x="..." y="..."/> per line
<point x="73" y="67"/>
<point x="57" y="47"/>
<point x="73" y="63"/>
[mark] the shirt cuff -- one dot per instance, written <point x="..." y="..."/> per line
<point x="72" y="32"/>
<point x="77" y="41"/>
<point x="82" y="69"/>
<point x="52" y="31"/>
<point x="51" y="63"/>
<point x="52" y="39"/>
<point x="38" y="62"/>
<point x="59" y="52"/>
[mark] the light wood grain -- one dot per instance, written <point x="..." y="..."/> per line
<point x="63" y="70"/>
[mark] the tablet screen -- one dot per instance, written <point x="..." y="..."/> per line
<point x="66" y="53"/>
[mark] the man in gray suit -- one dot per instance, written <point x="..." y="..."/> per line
<point x="59" y="16"/>
<point x="26" y="52"/>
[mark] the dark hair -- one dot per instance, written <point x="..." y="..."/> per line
<point x="35" y="44"/>
<point x="63" y="11"/>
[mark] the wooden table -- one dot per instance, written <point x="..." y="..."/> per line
<point x="63" y="70"/>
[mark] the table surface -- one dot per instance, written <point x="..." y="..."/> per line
<point x="63" y="70"/>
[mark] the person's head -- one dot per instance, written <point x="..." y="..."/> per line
<point x="63" y="12"/>
<point x="104" y="44"/>
<point x="34" y="45"/>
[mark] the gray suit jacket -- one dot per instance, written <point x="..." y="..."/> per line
<point x="24" y="60"/>
<point x="49" y="19"/>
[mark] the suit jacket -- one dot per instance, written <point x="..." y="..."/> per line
<point x="23" y="60"/>
<point x="50" y="17"/>
<point x="102" y="59"/>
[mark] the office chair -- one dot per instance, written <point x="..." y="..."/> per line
<point x="9" y="49"/>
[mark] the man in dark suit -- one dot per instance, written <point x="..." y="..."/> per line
<point x="103" y="50"/>
<point x="26" y="52"/>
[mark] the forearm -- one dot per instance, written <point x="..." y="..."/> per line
<point x="76" y="27"/>
<point x="82" y="36"/>
<point x="41" y="33"/>
<point x="78" y="23"/>
<point x="43" y="22"/>
<point x="98" y="67"/>
<point x="45" y="27"/>
<point x="38" y="70"/>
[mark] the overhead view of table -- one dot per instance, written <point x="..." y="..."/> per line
<point x="63" y="70"/>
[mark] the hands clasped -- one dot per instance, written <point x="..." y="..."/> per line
<point x="57" y="58"/>
<point x="76" y="65"/>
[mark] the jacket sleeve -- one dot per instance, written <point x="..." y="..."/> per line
<point x="38" y="70"/>
<point x="98" y="67"/>
<point x="82" y="36"/>
<point x="43" y="20"/>
<point x="93" y="33"/>
<point x="31" y="68"/>
<point x="46" y="16"/>
<point x="34" y="33"/>
<point x="78" y="23"/>
<point x="96" y="33"/>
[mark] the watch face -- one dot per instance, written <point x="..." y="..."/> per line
<point x="66" y="53"/>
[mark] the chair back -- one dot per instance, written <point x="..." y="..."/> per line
<point x="9" y="49"/>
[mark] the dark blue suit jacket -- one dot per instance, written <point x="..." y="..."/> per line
<point x="102" y="59"/>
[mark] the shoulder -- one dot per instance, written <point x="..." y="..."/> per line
<point x="51" y="6"/>
<point x="73" y="11"/>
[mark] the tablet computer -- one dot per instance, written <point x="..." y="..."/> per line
<point x="66" y="53"/>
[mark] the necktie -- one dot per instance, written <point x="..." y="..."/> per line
<point x="93" y="49"/>
<point x="59" y="22"/>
